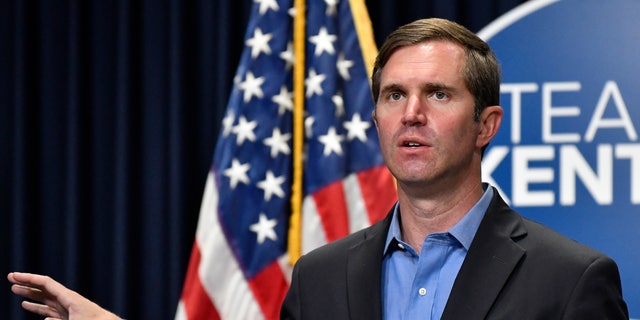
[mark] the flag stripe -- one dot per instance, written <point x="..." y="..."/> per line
<point x="331" y="206"/>
<point x="313" y="234"/>
<point x="358" y="217"/>
<point x="364" y="205"/>
<point x="181" y="314"/>
<point x="378" y="191"/>
<point x="219" y="272"/>
<point x="196" y="300"/>
<point x="269" y="287"/>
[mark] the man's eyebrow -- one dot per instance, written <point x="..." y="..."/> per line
<point x="392" y="87"/>
<point x="436" y="86"/>
<point x="426" y="87"/>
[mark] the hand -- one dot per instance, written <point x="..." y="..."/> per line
<point x="56" y="300"/>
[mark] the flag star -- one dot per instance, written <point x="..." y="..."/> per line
<point x="227" y="124"/>
<point x="356" y="128"/>
<point x="244" y="130"/>
<point x="266" y="5"/>
<point x="323" y="41"/>
<point x="343" y="66"/>
<point x="264" y="228"/>
<point x="271" y="185"/>
<point x="308" y="126"/>
<point x="237" y="173"/>
<point x="251" y="87"/>
<point x="331" y="7"/>
<point x="292" y="12"/>
<point x="259" y="43"/>
<point x="288" y="56"/>
<point x="278" y="142"/>
<point x="331" y="142"/>
<point x="314" y="83"/>
<point x="339" y="103"/>
<point x="284" y="100"/>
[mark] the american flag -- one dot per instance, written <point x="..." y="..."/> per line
<point x="241" y="259"/>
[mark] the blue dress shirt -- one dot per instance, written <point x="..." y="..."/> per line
<point x="418" y="286"/>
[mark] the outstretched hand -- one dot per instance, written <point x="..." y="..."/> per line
<point x="55" y="300"/>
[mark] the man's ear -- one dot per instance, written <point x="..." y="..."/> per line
<point x="373" y="116"/>
<point x="490" y="119"/>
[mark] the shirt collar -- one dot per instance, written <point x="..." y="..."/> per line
<point x="464" y="231"/>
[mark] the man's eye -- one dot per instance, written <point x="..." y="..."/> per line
<point x="440" y="95"/>
<point x="395" y="96"/>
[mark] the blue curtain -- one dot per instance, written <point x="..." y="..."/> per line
<point x="109" y="112"/>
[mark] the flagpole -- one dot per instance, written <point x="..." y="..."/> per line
<point x="294" y="241"/>
<point x="364" y="30"/>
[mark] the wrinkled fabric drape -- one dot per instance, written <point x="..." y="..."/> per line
<point x="109" y="112"/>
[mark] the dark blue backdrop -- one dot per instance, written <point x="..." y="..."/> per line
<point x="109" y="112"/>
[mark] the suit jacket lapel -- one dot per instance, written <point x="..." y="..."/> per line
<point x="364" y="272"/>
<point x="491" y="258"/>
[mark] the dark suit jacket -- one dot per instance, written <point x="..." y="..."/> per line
<point x="514" y="269"/>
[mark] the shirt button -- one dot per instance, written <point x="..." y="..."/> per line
<point x="422" y="291"/>
<point x="401" y="246"/>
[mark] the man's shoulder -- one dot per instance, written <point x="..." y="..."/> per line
<point x="538" y="239"/>
<point x="546" y="241"/>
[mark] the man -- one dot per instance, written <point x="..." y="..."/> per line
<point x="450" y="248"/>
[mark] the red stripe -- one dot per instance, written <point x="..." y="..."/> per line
<point x="269" y="287"/>
<point x="378" y="191"/>
<point x="197" y="303"/>
<point x="332" y="208"/>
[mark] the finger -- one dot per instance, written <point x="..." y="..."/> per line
<point x="18" y="277"/>
<point x="35" y="280"/>
<point x="46" y="284"/>
<point x="36" y="295"/>
<point x="27" y="292"/>
<point x="40" y="309"/>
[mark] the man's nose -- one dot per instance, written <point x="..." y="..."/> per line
<point x="414" y="112"/>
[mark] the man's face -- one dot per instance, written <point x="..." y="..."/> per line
<point x="424" y="116"/>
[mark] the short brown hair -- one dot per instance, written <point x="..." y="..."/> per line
<point x="481" y="72"/>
